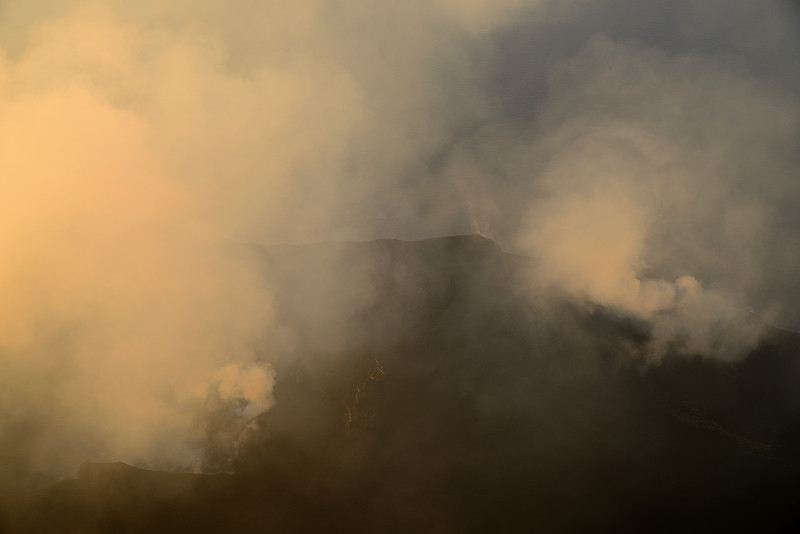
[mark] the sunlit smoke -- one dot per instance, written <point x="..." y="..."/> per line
<point x="140" y="148"/>
<point x="144" y="145"/>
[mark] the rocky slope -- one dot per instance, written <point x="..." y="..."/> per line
<point x="426" y="387"/>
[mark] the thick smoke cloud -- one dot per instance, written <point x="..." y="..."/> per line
<point x="648" y="168"/>
<point x="141" y="147"/>
<point x="673" y="163"/>
<point x="648" y="172"/>
<point x="119" y="307"/>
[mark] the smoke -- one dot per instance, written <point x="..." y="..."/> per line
<point x="143" y="144"/>
<point x="642" y="156"/>
<point x="119" y="303"/>
<point x="140" y="146"/>
<point x="660" y="168"/>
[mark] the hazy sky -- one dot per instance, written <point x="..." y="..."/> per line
<point x="645" y="152"/>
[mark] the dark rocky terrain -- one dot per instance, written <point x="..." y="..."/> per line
<point x="427" y="390"/>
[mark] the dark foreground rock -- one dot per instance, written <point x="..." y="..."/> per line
<point x="426" y="389"/>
